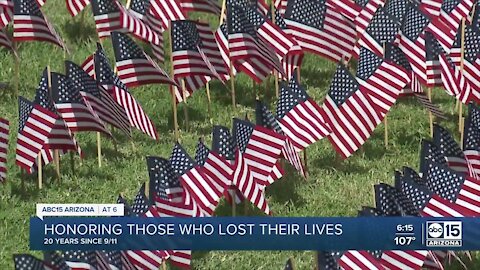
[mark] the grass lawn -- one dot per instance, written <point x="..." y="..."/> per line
<point x="333" y="188"/>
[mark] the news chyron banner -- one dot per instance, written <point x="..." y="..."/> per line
<point x="103" y="227"/>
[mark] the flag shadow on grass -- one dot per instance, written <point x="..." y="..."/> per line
<point x="284" y="189"/>
<point x="79" y="32"/>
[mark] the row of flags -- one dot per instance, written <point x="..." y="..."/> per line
<point x="446" y="185"/>
<point x="75" y="102"/>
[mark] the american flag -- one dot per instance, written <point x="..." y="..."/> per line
<point x="135" y="67"/>
<point x="431" y="205"/>
<point x="411" y="40"/>
<point x="34" y="129"/>
<point x="260" y="149"/>
<point x="266" y="119"/>
<point x="300" y="117"/>
<point x="138" y="28"/>
<point x="179" y="258"/>
<point x="107" y="78"/>
<point x="79" y="260"/>
<point x="109" y="260"/>
<point x="244" y="181"/>
<point x="72" y="108"/>
<point x="217" y="168"/>
<point x="430" y="153"/>
<point x="381" y="80"/>
<point x="471" y="139"/>
<point x="209" y="6"/>
<point x="359" y="12"/>
<point x="382" y="29"/>
<point x="29" y="24"/>
<point x="76" y="6"/>
<point x="5" y="40"/>
<point x="221" y="38"/>
<point x="98" y="98"/>
<point x="471" y="61"/>
<point x="224" y="145"/>
<point x="433" y="50"/>
<point x="452" y="12"/>
<point x="4" y="131"/>
<point x="451" y="150"/>
<point x="349" y="112"/>
<point x="454" y="187"/>
<point x="431" y="7"/>
<point x="397" y="56"/>
<point x="56" y="259"/>
<point x="188" y="63"/>
<point x="197" y="185"/>
<point x="248" y="52"/>
<point x="107" y="17"/>
<point x="211" y="52"/>
<point x="89" y="66"/>
<point x="454" y="82"/>
<point x="164" y="182"/>
<point x="281" y="6"/>
<point x="285" y="46"/>
<point x="360" y="259"/>
<point x="166" y="11"/>
<point x="392" y="202"/>
<point x="141" y="203"/>
<point x="6" y="12"/>
<point x="320" y="29"/>
<point x="145" y="259"/>
<point x="167" y="208"/>
<point x="29" y="262"/>
<point x="61" y="137"/>
<point x="327" y="260"/>
<point x="141" y="10"/>
<point x="293" y="60"/>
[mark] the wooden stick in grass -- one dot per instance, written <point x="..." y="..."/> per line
<point x="56" y="156"/>
<point x="172" y="89"/>
<point x="40" y="172"/>
<point x="185" y="108"/>
<point x="17" y="69"/>
<point x="305" y="158"/>
<point x="209" y="104"/>
<point x="99" y="139"/>
<point x="430" y="114"/>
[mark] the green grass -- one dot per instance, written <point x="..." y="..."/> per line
<point x="333" y="188"/>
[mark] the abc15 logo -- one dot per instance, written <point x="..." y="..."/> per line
<point x="448" y="230"/>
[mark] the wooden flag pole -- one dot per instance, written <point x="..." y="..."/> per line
<point x="40" y="173"/>
<point x="56" y="156"/>
<point x="164" y="265"/>
<point x="305" y="159"/>
<point x="209" y="105"/>
<point x="462" y="56"/>
<point x="223" y="16"/>
<point x="99" y="139"/>
<point x="17" y="69"/>
<point x="430" y="114"/>
<point x="185" y="108"/>
<point x="275" y="72"/>
<point x="385" y="123"/>
<point x="234" y="203"/>
<point x="172" y="90"/>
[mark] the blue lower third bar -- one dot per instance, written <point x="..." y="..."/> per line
<point x="254" y="233"/>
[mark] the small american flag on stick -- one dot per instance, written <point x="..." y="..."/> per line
<point x="30" y="24"/>
<point x="135" y="67"/>
<point x="107" y="78"/>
